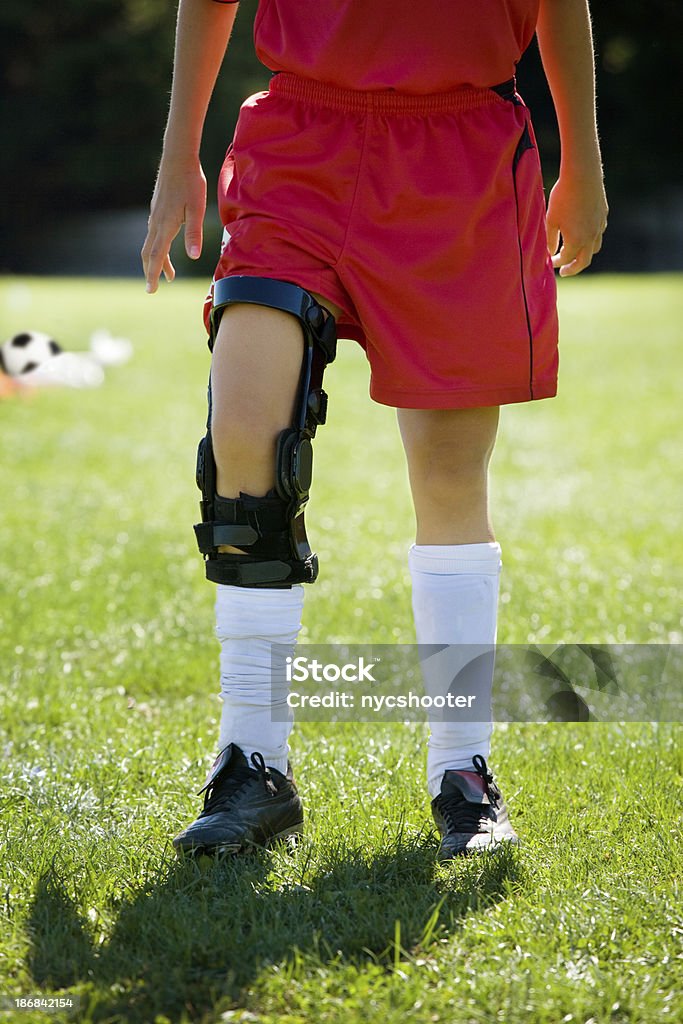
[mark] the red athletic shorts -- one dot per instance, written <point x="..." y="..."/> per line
<point x="422" y="217"/>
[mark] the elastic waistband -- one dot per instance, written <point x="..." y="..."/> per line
<point x="386" y="101"/>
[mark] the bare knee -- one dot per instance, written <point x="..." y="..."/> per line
<point x="448" y="445"/>
<point x="254" y="377"/>
<point x="448" y="453"/>
<point x="241" y="438"/>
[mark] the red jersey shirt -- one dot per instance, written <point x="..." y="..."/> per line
<point x="414" y="46"/>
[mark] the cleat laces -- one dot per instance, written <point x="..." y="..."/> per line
<point x="484" y="773"/>
<point x="462" y="816"/>
<point x="225" y="787"/>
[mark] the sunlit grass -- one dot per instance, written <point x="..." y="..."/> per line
<point x="110" y="706"/>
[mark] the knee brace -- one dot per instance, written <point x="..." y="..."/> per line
<point x="269" y="531"/>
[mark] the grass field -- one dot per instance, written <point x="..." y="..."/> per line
<point x="110" y="710"/>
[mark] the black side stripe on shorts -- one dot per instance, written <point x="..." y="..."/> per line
<point x="523" y="145"/>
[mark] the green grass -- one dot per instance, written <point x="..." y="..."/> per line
<point x="110" y="707"/>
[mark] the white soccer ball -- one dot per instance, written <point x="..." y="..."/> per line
<point x="27" y="351"/>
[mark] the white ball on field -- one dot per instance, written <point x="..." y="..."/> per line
<point x="27" y="351"/>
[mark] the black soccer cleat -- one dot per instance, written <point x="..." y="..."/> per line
<point x="243" y="807"/>
<point x="470" y="812"/>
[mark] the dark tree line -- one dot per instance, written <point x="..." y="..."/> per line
<point x="85" y="87"/>
<point x="639" y="65"/>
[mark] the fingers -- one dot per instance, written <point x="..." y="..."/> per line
<point x="576" y="219"/>
<point x="179" y="199"/>
<point x="169" y="269"/>
<point x="573" y="258"/>
<point x="193" y="232"/>
<point x="155" y="256"/>
<point x="553" y="233"/>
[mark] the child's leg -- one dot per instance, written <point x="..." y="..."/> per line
<point x="254" y="374"/>
<point x="455" y="563"/>
<point x="448" y="452"/>
<point x="254" y="378"/>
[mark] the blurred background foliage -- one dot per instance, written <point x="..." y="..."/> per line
<point x="85" y="88"/>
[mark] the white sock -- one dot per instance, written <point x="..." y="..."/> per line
<point x="455" y="598"/>
<point x="248" y="622"/>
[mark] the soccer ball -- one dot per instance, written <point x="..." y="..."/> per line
<point x="27" y="351"/>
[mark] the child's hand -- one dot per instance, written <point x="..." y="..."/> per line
<point x="577" y="211"/>
<point x="179" y="198"/>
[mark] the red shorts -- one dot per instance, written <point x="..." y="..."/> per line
<point x="421" y="217"/>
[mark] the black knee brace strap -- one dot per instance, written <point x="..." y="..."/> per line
<point x="270" y="530"/>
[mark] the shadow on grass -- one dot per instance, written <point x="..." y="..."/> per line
<point x="195" y="935"/>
